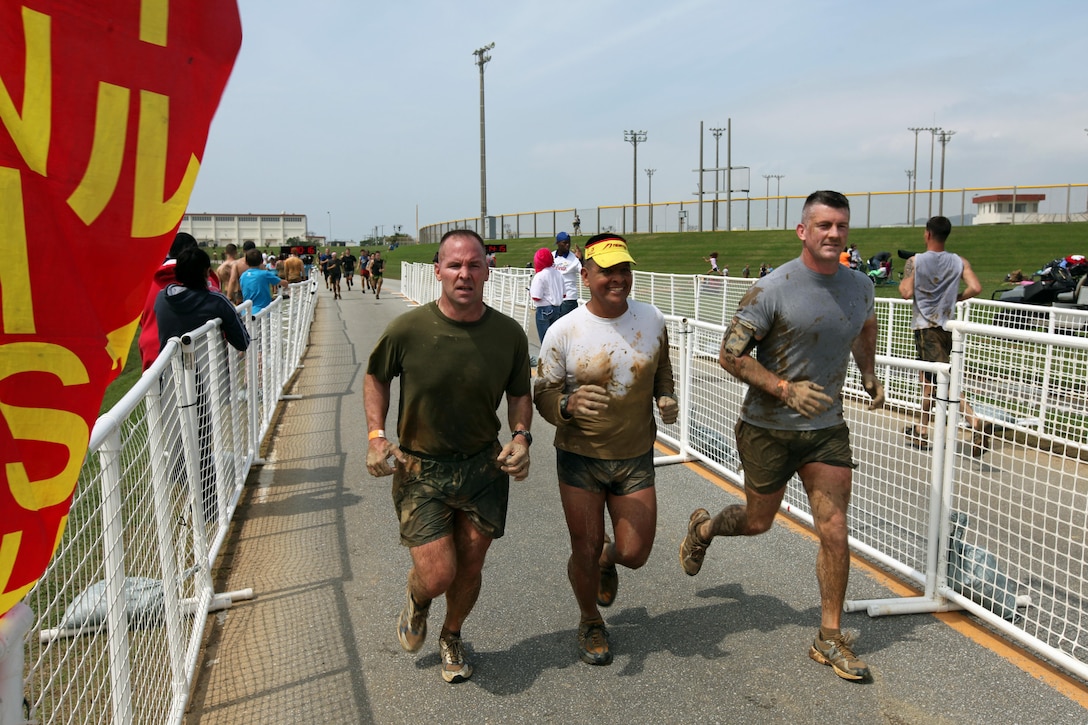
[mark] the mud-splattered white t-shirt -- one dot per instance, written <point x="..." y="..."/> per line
<point x="628" y="356"/>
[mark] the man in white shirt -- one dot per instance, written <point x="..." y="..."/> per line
<point x="570" y="267"/>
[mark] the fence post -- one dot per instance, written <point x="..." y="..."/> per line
<point x="113" y="556"/>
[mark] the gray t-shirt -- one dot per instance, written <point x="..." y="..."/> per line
<point x="805" y="324"/>
<point x="936" y="286"/>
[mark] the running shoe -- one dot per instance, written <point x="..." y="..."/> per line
<point x="593" y="644"/>
<point x="837" y="653"/>
<point x="455" y="668"/>
<point x="692" y="548"/>
<point x="412" y="624"/>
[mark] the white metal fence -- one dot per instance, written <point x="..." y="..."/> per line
<point x="1064" y="203"/>
<point x="1001" y="534"/>
<point x="116" y="621"/>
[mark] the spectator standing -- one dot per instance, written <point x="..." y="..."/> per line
<point x="546" y="291"/>
<point x="932" y="280"/>
<point x="293" y="268"/>
<point x="257" y="283"/>
<point x="570" y="266"/>
<point x="148" y="340"/>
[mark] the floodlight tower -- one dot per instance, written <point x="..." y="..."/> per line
<point x="481" y="60"/>
<point x="717" y="137"/>
<point x="945" y="137"/>
<point x="777" y="195"/>
<point x="913" y="196"/>
<point x="650" y="196"/>
<point x="634" y="138"/>
<point x="910" y="175"/>
<point x="767" y="195"/>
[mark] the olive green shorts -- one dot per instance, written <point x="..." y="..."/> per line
<point x="771" y="457"/>
<point x="933" y="344"/>
<point x="428" y="493"/>
<point x="618" y="478"/>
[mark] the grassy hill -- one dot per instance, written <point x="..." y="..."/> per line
<point x="993" y="251"/>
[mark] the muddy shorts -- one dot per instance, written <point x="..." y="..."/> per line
<point x="933" y="344"/>
<point x="618" y="478"/>
<point x="771" y="457"/>
<point x="428" y="493"/>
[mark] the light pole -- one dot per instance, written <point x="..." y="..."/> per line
<point x="914" y="195"/>
<point x="946" y="136"/>
<point x="777" y="195"/>
<point x="714" y="217"/>
<point x="932" y="146"/>
<point x="481" y="59"/>
<point x="634" y="138"/>
<point x="767" y="196"/>
<point x="330" y="224"/>
<point x="650" y="196"/>
<point x="910" y="175"/>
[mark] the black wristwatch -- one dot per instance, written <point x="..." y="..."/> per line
<point x="526" y="434"/>
<point x="563" y="406"/>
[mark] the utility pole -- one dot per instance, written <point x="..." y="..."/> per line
<point x="717" y="174"/>
<point x="634" y="138"/>
<point x="481" y="60"/>
<point x="650" y="196"/>
<point x="910" y="175"/>
<point x="945" y="137"/>
<point x="767" y="195"/>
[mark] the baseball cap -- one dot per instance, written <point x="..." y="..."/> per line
<point x="607" y="250"/>
<point x="562" y="237"/>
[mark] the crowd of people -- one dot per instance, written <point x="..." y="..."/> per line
<point x="602" y="379"/>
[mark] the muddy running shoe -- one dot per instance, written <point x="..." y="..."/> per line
<point x="412" y="624"/>
<point x="837" y="653"/>
<point x="610" y="582"/>
<point x="692" y="548"/>
<point x="593" y="644"/>
<point x="455" y="668"/>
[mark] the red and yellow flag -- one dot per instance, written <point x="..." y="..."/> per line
<point x="105" y="107"/>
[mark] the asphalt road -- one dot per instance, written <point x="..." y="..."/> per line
<point x="316" y="538"/>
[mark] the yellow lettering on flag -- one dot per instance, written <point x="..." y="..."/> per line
<point x="152" y="213"/>
<point x="107" y="153"/>
<point x="15" y="297"/>
<point x="154" y="15"/>
<point x="44" y="424"/>
<point x="30" y="129"/>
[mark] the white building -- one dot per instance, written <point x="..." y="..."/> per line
<point x="265" y="230"/>
<point x="1001" y="208"/>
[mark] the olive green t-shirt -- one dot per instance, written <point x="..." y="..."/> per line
<point x="452" y="377"/>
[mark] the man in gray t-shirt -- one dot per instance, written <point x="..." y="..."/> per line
<point x="804" y="320"/>
<point x="932" y="279"/>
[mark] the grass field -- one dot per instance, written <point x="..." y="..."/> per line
<point x="993" y="251"/>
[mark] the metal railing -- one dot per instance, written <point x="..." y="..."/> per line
<point x="115" y="622"/>
<point x="996" y="530"/>
<point x="1067" y="203"/>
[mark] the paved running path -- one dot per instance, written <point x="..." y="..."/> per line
<point x="316" y="538"/>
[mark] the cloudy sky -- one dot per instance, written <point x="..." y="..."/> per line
<point x="362" y="114"/>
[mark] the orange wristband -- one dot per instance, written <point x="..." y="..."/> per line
<point x="376" y="433"/>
